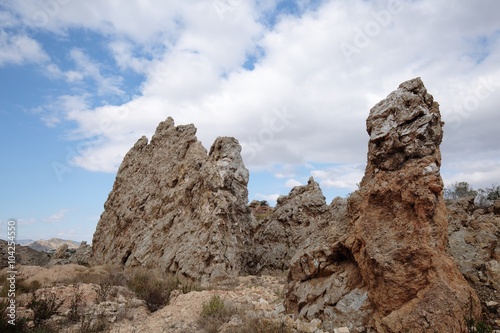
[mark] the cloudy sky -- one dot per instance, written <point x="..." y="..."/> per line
<point x="292" y="80"/>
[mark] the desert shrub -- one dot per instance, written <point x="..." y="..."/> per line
<point x="485" y="197"/>
<point x="188" y="287"/>
<point x="104" y="290"/>
<point x="31" y="287"/>
<point x="214" y="307"/>
<point x="96" y="325"/>
<point x="75" y="306"/>
<point x="43" y="308"/>
<point x="4" y="285"/>
<point x="252" y="324"/>
<point x="21" y="323"/>
<point x="459" y="190"/>
<point x="476" y="326"/>
<point x="214" y="314"/>
<point x="154" y="291"/>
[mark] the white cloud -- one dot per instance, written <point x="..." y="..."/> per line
<point x="19" y="49"/>
<point x="58" y="110"/>
<point x="192" y="54"/>
<point x="270" y="198"/>
<point x="69" y="76"/>
<point x="88" y="68"/>
<point x="292" y="183"/>
<point x="480" y="173"/>
<point x="342" y="176"/>
<point x="57" y="216"/>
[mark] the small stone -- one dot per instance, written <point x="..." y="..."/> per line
<point x="341" y="330"/>
<point x="492" y="304"/>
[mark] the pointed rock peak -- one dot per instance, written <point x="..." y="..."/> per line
<point x="309" y="194"/>
<point x="165" y="129"/>
<point x="399" y="218"/>
<point x="405" y="125"/>
<point x="176" y="209"/>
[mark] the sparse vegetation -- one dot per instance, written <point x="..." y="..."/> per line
<point x="459" y="190"/>
<point x="486" y="196"/>
<point x="474" y="326"/>
<point x="483" y="197"/>
<point x="214" y="314"/>
<point x="43" y="307"/>
<point x="31" y="287"/>
<point x="252" y="324"/>
<point x="88" y="325"/>
<point x="75" y="306"/>
<point x="153" y="290"/>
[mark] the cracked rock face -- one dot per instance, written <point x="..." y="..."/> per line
<point x="298" y="220"/>
<point x="390" y="264"/>
<point x="177" y="209"/>
<point x="399" y="236"/>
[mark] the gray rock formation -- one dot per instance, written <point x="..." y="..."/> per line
<point x="474" y="244"/>
<point x="297" y="221"/>
<point x="176" y="208"/>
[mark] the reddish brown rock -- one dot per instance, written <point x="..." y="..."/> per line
<point x="387" y="270"/>
<point x="399" y="236"/>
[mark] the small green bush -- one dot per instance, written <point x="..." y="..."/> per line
<point x="213" y="308"/>
<point x="214" y="314"/>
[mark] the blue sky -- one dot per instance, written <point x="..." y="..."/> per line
<point x="293" y="81"/>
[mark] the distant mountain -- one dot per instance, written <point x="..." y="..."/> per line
<point x="24" y="241"/>
<point x="52" y="244"/>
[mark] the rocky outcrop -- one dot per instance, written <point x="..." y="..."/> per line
<point x="393" y="253"/>
<point x="297" y="221"/>
<point x="24" y="255"/>
<point x="65" y="255"/>
<point x="399" y="220"/>
<point x="474" y="234"/>
<point x="176" y="208"/>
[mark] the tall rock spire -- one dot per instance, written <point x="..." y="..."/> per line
<point x="399" y="223"/>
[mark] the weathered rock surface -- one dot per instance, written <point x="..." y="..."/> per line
<point x="176" y="208"/>
<point x="400" y="227"/>
<point x="298" y="220"/>
<point x="474" y="235"/>
<point x="391" y="262"/>
<point x="65" y="255"/>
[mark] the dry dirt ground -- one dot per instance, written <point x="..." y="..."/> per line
<point x="98" y="300"/>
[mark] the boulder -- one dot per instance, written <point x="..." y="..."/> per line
<point x="176" y="209"/>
